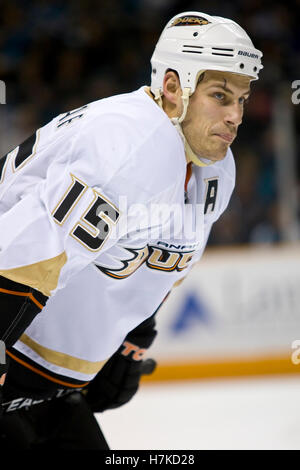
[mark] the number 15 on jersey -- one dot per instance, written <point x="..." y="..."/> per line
<point x="95" y="223"/>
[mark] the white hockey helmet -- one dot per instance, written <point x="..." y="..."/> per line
<point x="193" y="42"/>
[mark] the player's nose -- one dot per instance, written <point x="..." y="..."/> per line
<point x="234" y="115"/>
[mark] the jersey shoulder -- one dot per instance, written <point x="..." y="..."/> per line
<point x="122" y="144"/>
<point x="135" y="142"/>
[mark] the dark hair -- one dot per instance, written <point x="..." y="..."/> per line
<point x="201" y="76"/>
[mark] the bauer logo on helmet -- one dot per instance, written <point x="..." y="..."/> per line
<point x="248" y="54"/>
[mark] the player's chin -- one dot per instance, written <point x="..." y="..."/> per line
<point x="219" y="153"/>
<point x="222" y="155"/>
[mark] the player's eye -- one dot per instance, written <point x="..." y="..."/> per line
<point x="243" y="100"/>
<point x="219" y="96"/>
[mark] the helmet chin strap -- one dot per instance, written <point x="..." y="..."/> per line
<point x="176" y="121"/>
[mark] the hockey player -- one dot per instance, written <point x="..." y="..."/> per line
<point x="83" y="239"/>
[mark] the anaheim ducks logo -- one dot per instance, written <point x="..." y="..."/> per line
<point x="189" y="21"/>
<point x="160" y="259"/>
<point x="129" y="266"/>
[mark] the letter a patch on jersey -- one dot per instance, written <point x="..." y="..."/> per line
<point x="210" y="194"/>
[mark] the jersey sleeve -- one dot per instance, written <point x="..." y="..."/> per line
<point x="61" y="222"/>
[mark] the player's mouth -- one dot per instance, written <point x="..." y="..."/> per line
<point x="226" y="137"/>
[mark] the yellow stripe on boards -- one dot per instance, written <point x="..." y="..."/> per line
<point x="264" y="365"/>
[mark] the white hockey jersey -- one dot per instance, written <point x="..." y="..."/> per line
<point x="107" y="267"/>
<point x="54" y="185"/>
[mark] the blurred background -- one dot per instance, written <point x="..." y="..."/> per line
<point x="237" y="314"/>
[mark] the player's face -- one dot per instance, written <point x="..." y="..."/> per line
<point x="215" y="112"/>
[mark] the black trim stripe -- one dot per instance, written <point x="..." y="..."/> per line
<point x="33" y="373"/>
<point x="2" y="164"/>
<point x="8" y="284"/>
<point x="25" y="150"/>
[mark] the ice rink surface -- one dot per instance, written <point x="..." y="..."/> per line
<point x="255" y="413"/>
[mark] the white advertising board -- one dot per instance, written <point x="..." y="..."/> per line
<point x="236" y="302"/>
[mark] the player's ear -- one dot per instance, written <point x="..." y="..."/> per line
<point x="172" y="92"/>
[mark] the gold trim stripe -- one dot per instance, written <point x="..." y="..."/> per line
<point x="62" y="360"/>
<point x="252" y="366"/>
<point x="42" y="276"/>
<point x="39" y="372"/>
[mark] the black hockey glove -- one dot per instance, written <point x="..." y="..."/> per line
<point x="118" y="380"/>
<point x="3" y="370"/>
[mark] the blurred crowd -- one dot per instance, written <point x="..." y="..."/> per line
<point x="56" y="55"/>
